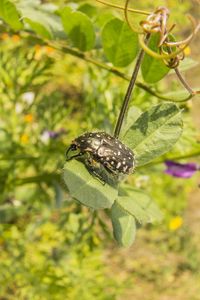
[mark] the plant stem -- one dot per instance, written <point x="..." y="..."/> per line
<point x="142" y="12"/>
<point x="175" y="158"/>
<point x="184" y="83"/>
<point x="81" y="55"/>
<point x="129" y="90"/>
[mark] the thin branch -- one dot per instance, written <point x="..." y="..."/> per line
<point x="141" y="85"/>
<point x="184" y="83"/>
<point x="126" y="9"/>
<point x="129" y="91"/>
<point x="175" y="158"/>
<point x="137" y="11"/>
<point x="81" y="55"/>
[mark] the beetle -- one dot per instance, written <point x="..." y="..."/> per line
<point x="100" y="148"/>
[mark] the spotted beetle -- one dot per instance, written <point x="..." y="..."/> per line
<point x="104" y="149"/>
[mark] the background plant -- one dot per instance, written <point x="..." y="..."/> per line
<point x="45" y="90"/>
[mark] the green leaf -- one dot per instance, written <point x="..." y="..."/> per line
<point x="39" y="28"/>
<point x="103" y="18"/>
<point x="140" y="206"/>
<point x="88" y="9"/>
<point x="155" y="132"/>
<point x="9" y="14"/>
<point x="153" y="69"/>
<point x="187" y="64"/>
<point x="133" y="114"/>
<point x="41" y="20"/>
<point x="120" y="43"/>
<point x="124" y="226"/>
<point x="180" y="95"/>
<point x="86" y="188"/>
<point x="79" y="28"/>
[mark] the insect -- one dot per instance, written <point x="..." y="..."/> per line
<point x="100" y="148"/>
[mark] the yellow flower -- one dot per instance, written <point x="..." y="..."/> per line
<point x="175" y="223"/>
<point x="15" y="38"/>
<point x="24" y="138"/>
<point x="48" y="49"/>
<point x="38" y="52"/>
<point x="28" y="118"/>
<point x="5" y="36"/>
<point x="187" y="51"/>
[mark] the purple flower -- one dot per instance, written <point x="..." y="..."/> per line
<point x="50" y="134"/>
<point x="181" y="170"/>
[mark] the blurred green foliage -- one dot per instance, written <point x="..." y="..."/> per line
<point x="51" y="247"/>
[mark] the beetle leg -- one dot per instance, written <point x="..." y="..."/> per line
<point x="92" y="167"/>
<point x="97" y="176"/>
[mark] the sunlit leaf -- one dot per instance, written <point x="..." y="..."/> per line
<point x="153" y="69"/>
<point x="9" y="14"/>
<point x="124" y="226"/>
<point x="39" y="28"/>
<point x="41" y="19"/>
<point x="178" y="96"/>
<point x="140" y="205"/>
<point x="133" y="114"/>
<point x="86" y="188"/>
<point x="88" y="9"/>
<point x="79" y="28"/>
<point x="103" y="18"/>
<point x="120" y="43"/>
<point x="155" y="132"/>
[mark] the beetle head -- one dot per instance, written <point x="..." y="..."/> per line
<point x="73" y="151"/>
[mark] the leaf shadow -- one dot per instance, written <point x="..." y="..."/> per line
<point x="142" y="124"/>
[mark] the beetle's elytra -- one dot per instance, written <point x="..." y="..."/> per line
<point x="100" y="147"/>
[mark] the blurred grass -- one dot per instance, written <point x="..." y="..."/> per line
<point x="51" y="248"/>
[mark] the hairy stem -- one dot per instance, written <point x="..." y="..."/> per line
<point x="129" y="91"/>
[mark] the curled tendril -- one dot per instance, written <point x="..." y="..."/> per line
<point x="156" y="22"/>
<point x="166" y="52"/>
<point x="195" y="27"/>
<point x="126" y="9"/>
<point x="171" y="52"/>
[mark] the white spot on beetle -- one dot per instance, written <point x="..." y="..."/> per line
<point x="123" y="162"/>
<point x="125" y="168"/>
<point x="112" y="162"/>
<point x="119" y="153"/>
<point x="120" y="146"/>
<point x="118" y="165"/>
